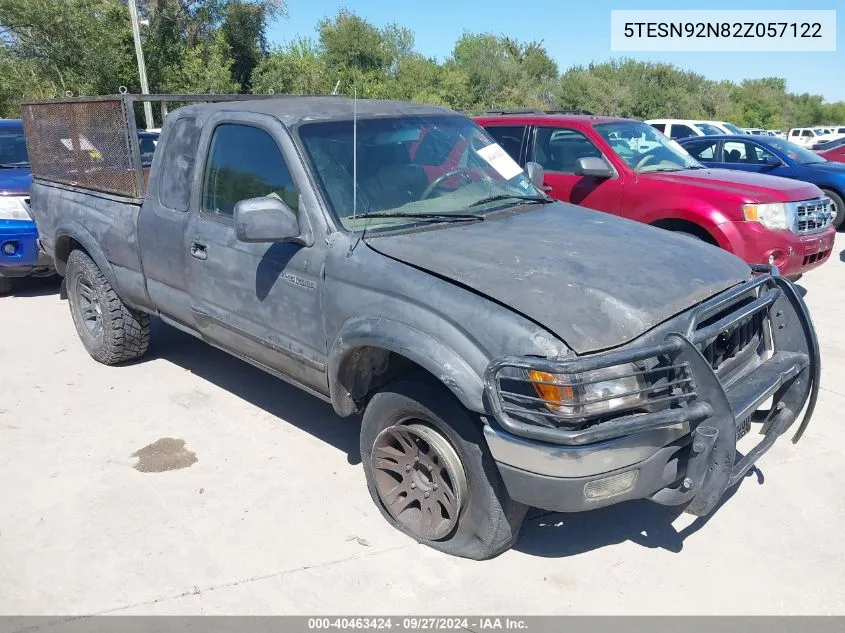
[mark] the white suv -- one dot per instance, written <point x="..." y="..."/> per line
<point x="807" y="136"/>
<point x="683" y="128"/>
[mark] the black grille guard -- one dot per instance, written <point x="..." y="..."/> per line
<point x="790" y="376"/>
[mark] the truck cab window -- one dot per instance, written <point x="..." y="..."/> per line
<point x="245" y="162"/>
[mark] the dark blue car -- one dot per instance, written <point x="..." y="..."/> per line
<point x="20" y="254"/>
<point x="775" y="156"/>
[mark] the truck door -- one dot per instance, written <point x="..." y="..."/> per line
<point x="164" y="219"/>
<point x="258" y="301"/>
<point x="557" y="149"/>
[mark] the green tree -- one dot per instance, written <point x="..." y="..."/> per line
<point x="298" y="68"/>
<point x="81" y="46"/>
<point x="203" y="69"/>
<point x="350" y="42"/>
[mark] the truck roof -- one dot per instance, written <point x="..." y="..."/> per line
<point x="292" y="110"/>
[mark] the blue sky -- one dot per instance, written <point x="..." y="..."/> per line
<point x="578" y="33"/>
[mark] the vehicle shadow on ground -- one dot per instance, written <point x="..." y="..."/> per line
<point x="545" y="534"/>
<point x="281" y="400"/>
<point x="35" y="286"/>
<point x="648" y="524"/>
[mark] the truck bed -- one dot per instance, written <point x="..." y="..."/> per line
<point x="102" y="223"/>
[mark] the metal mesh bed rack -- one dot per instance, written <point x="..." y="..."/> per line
<point x="92" y="142"/>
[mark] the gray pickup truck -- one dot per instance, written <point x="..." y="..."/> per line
<point x="504" y="349"/>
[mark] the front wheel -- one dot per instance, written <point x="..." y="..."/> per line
<point x="5" y="286"/>
<point x="430" y="473"/>
<point x="110" y="331"/>
<point x="838" y="208"/>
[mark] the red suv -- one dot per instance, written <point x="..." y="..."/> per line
<point x="627" y="168"/>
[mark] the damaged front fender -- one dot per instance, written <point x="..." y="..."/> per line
<point x="357" y="356"/>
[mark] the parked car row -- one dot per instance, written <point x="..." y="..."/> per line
<point x="776" y="157"/>
<point x="628" y="168"/>
<point x="21" y="254"/>
<point x="686" y="128"/>
<point x="808" y="137"/>
<point x="504" y="349"/>
<point x="683" y="128"/>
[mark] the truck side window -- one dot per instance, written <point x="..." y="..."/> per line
<point x="660" y="127"/>
<point x="509" y="137"/>
<point x="558" y="149"/>
<point x="244" y="162"/>
<point x="174" y="190"/>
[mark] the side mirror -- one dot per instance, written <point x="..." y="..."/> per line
<point x="594" y="167"/>
<point x="266" y="219"/>
<point x="772" y="161"/>
<point x="535" y="174"/>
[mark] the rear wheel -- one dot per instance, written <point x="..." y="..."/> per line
<point x="838" y="207"/>
<point x="110" y="331"/>
<point x="430" y="473"/>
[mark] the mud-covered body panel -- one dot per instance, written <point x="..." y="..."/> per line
<point x="595" y="280"/>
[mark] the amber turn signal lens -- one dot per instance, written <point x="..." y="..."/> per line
<point x="555" y="394"/>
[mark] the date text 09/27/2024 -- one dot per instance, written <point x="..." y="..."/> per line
<point x="418" y="623"/>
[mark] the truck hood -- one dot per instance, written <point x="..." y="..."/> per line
<point x="749" y="186"/>
<point x="15" y="181"/>
<point x="594" y="280"/>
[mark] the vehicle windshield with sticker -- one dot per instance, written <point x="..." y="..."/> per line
<point x="412" y="168"/>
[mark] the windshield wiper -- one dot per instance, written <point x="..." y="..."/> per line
<point x="13" y="165"/>
<point x="507" y="196"/>
<point x="444" y="217"/>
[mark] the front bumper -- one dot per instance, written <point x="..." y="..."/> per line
<point x="683" y="454"/>
<point x="792" y="253"/>
<point x="28" y="257"/>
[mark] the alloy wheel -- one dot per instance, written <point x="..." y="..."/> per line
<point x="90" y="310"/>
<point x="420" y="479"/>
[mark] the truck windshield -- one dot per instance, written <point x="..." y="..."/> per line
<point x="413" y="166"/>
<point x="644" y="149"/>
<point x="13" y="148"/>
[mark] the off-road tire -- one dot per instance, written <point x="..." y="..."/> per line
<point x="839" y="204"/>
<point x="5" y="286"/>
<point x="125" y="333"/>
<point x="490" y="520"/>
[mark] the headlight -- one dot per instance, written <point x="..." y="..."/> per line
<point x="14" y="208"/>
<point x="774" y="215"/>
<point x="590" y="393"/>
